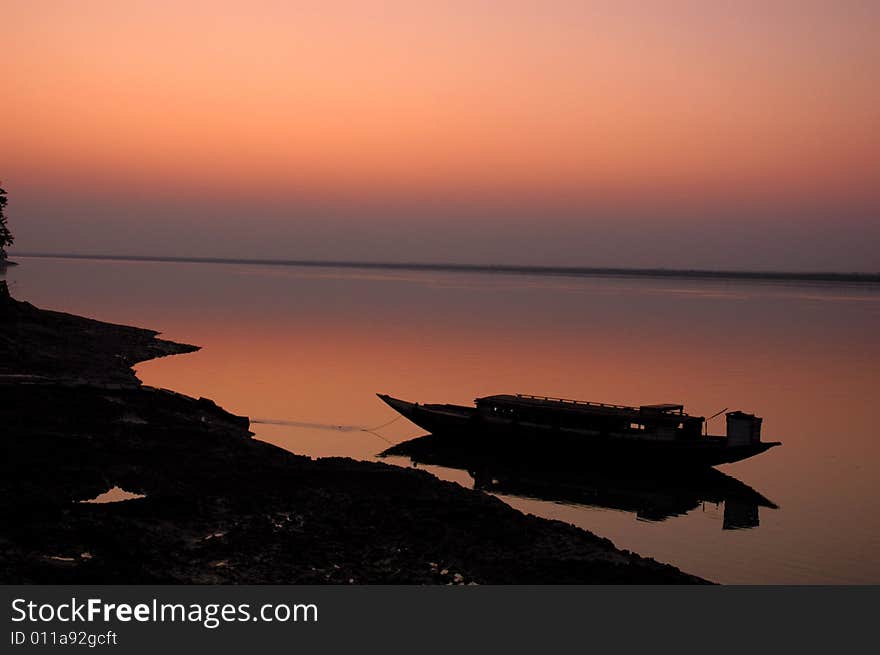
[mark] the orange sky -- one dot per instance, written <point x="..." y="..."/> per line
<point x="522" y="103"/>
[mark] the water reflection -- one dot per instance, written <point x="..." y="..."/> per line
<point x="650" y="495"/>
<point x="312" y="347"/>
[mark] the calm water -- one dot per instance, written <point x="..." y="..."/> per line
<point x="314" y="346"/>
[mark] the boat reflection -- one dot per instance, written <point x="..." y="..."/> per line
<point x="650" y="495"/>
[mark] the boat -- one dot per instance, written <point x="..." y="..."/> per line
<point x="576" y="433"/>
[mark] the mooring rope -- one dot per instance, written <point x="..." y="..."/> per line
<point x="330" y="426"/>
<point x="384" y="425"/>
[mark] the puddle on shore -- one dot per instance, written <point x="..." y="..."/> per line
<point x="114" y="495"/>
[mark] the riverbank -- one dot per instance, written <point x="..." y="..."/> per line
<point x="218" y="506"/>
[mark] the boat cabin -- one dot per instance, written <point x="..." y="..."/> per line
<point x="663" y="421"/>
<point x="743" y="429"/>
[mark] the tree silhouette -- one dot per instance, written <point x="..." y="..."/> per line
<point x="6" y="237"/>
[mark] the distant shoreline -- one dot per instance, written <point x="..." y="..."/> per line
<point x="507" y="269"/>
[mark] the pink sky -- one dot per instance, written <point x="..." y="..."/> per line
<point x="581" y="133"/>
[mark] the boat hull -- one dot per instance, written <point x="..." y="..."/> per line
<point x="545" y="446"/>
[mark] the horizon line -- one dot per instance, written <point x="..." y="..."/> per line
<point x="506" y="269"/>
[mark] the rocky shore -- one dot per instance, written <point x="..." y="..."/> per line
<point x="216" y="505"/>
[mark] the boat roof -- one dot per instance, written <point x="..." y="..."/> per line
<point x="676" y="409"/>
<point x="665" y="407"/>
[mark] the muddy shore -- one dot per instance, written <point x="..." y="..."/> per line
<point x="219" y="506"/>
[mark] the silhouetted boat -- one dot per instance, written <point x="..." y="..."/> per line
<point x="575" y="433"/>
<point x="651" y="495"/>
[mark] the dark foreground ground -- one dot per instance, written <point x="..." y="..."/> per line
<point x="221" y="507"/>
